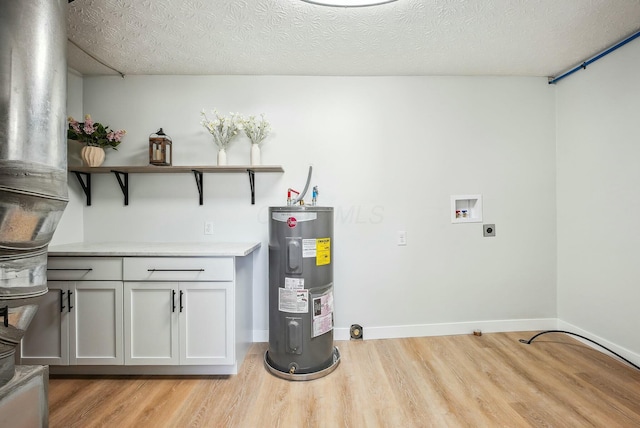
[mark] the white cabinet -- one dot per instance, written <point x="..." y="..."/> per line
<point x="151" y="324"/>
<point x="77" y="323"/>
<point x="206" y="323"/>
<point x="186" y="323"/>
<point x="144" y="309"/>
<point x="178" y="268"/>
<point x="95" y="328"/>
<point x="179" y="310"/>
<point x="47" y="339"/>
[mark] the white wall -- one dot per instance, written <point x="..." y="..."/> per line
<point x="387" y="154"/>
<point x="70" y="228"/>
<point x="598" y="231"/>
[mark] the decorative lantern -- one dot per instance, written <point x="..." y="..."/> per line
<point x="160" y="151"/>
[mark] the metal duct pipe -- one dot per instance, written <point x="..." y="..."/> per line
<point x="33" y="156"/>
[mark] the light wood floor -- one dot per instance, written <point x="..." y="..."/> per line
<point x="452" y="381"/>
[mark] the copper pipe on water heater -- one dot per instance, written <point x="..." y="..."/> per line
<point x="33" y="158"/>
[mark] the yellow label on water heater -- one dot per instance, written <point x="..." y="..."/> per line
<point x="323" y="251"/>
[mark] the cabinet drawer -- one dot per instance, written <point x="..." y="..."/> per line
<point x="178" y="269"/>
<point x="84" y="268"/>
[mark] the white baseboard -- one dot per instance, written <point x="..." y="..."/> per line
<point x="498" y="326"/>
<point x="448" y="329"/>
<point x="629" y="355"/>
<point x="260" y="336"/>
<point x="440" y="329"/>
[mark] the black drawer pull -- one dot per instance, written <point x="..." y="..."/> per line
<point x="62" y="306"/>
<point x="69" y="300"/>
<point x="175" y="270"/>
<point x="173" y="301"/>
<point x="181" y="307"/>
<point x="73" y="269"/>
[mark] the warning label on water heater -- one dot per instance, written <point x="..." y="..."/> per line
<point x="323" y="251"/>
<point x="308" y="248"/>
<point x="293" y="301"/>
<point x="319" y="248"/>
<point x="323" y="313"/>
<point x="294" y="283"/>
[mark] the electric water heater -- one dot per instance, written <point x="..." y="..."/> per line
<point x="301" y="293"/>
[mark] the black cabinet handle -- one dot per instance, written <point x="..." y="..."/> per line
<point x="4" y="312"/>
<point x="69" y="300"/>
<point x="175" y="270"/>
<point x="181" y="307"/>
<point x="73" y="269"/>
<point x="173" y="301"/>
<point x="62" y="306"/>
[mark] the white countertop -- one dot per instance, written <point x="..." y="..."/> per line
<point x="163" y="249"/>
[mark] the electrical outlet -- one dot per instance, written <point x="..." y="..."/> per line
<point x="488" y="230"/>
<point x="208" y="228"/>
<point x="402" y="237"/>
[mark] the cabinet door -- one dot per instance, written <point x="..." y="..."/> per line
<point x="151" y="323"/>
<point x="46" y="341"/>
<point x="206" y="323"/>
<point x="95" y="326"/>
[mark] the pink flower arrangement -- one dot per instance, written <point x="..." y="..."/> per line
<point x="93" y="133"/>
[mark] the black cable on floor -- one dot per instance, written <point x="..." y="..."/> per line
<point x="528" y="342"/>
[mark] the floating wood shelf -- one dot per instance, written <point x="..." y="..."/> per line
<point x="83" y="174"/>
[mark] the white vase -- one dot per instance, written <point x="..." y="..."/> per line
<point x="255" y="154"/>
<point x="222" y="157"/>
<point x="92" y="155"/>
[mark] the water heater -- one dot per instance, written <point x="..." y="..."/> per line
<point x="301" y="293"/>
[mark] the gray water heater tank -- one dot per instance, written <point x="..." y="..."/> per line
<point x="301" y="293"/>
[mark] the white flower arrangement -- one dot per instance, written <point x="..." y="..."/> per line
<point x="223" y="128"/>
<point x="256" y="130"/>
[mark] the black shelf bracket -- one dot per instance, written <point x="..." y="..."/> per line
<point x="86" y="184"/>
<point x="124" y="185"/>
<point x="83" y="174"/>
<point x="252" y="184"/>
<point x="199" y="182"/>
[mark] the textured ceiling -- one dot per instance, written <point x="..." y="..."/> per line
<point x="291" y="37"/>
